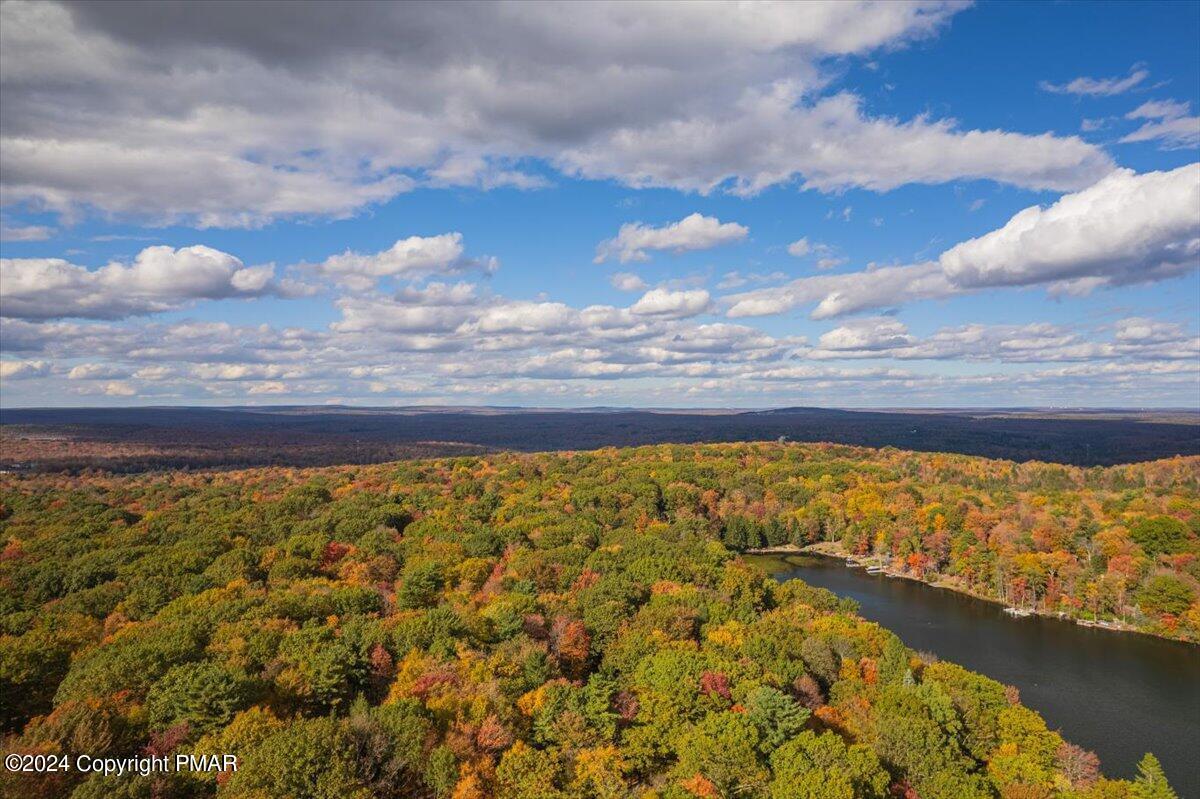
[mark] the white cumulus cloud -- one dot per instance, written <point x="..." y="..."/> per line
<point x="159" y="279"/>
<point x="668" y="304"/>
<point x="20" y="370"/>
<point x="693" y="232"/>
<point x="415" y="256"/>
<point x="799" y="248"/>
<point x="1126" y="228"/>
<point x="627" y="281"/>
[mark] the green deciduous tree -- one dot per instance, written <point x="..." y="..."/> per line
<point x="724" y="749"/>
<point x="812" y="766"/>
<point x="1165" y="593"/>
<point x="1158" y="535"/>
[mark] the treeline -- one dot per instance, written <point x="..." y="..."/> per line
<point x="563" y="625"/>
<point x="1100" y="544"/>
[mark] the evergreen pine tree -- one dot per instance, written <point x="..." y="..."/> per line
<point x="1151" y="782"/>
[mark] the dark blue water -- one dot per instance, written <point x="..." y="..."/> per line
<point x="1118" y="694"/>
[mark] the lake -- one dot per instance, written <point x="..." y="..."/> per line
<point x="1118" y="694"/>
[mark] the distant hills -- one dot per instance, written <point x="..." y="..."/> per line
<point x="134" y="439"/>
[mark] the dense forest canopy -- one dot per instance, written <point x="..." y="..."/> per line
<point x="564" y="625"/>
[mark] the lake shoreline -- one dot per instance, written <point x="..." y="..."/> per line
<point x="1116" y="695"/>
<point x="830" y="549"/>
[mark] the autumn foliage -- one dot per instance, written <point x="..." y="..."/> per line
<point x="571" y="625"/>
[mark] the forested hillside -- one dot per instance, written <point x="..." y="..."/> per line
<point x="562" y="625"/>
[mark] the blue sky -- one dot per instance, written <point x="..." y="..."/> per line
<point x="921" y="204"/>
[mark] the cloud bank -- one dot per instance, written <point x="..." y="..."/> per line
<point x="215" y="115"/>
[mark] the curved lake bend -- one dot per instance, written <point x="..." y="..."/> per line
<point x="1118" y="694"/>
